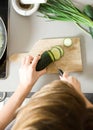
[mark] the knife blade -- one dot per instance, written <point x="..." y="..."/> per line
<point x="60" y="71"/>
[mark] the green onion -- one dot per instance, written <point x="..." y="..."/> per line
<point x="64" y="10"/>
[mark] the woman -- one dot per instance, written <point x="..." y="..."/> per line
<point x="59" y="105"/>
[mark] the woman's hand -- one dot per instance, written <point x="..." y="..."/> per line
<point x="27" y="72"/>
<point x="76" y="84"/>
<point x="72" y="80"/>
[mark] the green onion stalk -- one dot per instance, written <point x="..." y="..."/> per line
<point x="64" y="10"/>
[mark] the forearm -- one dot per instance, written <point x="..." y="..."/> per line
<point x="28" y="76"/>
<point x="8" y="111"/>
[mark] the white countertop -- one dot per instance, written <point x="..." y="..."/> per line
<point x="26" y="31"/>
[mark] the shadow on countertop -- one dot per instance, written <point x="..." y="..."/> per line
<point x="89" y="96"/>
<point x="4" y="95"/>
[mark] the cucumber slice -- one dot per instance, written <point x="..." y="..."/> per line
<point x="67" y="42"/>
<point x="51" y="55"/>
<point x="60" y="49"/>
<point x="57" y="51"/>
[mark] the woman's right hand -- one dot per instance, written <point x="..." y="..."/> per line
<point x="76" y="84"/>
<point x="72" y="80"/>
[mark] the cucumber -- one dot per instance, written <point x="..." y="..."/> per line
<point x="88" y="10"/>
<point x="67" y="42"/>
<point x="44" y="61"/>
<point x="49" y="56"/>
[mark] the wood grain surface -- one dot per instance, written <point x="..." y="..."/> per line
<point x="71" y="61"/>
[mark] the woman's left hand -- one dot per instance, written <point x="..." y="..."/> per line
<point x="27" y="73"/>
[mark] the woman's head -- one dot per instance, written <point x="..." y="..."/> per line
<point x="56" y="106"/>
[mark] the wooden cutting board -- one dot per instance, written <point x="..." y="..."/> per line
<point x="71" y="61"/>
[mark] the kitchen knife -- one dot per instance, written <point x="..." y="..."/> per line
<point x="60" y="71"/>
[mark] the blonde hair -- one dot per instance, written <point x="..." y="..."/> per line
<point x="56" y="106"/>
